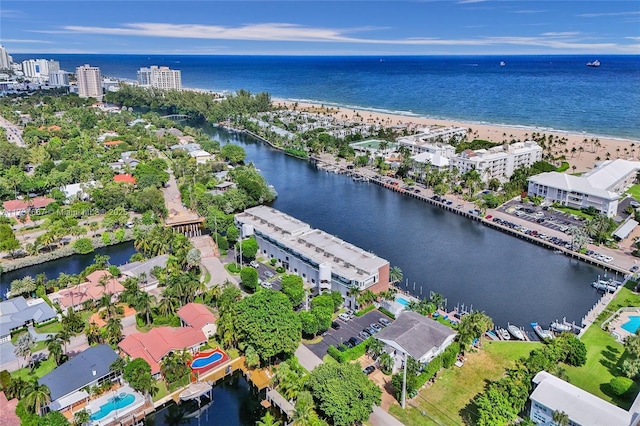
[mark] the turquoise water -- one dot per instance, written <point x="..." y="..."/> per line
<point x="632" y="325"/>
<point x="403" y="302"/>
<point x="203" y="362"/>
<point x="114" y="403"/>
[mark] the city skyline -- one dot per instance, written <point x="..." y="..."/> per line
<point x="323" y="27"/>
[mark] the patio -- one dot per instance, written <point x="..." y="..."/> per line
<point x="113" y="412"/>
<point x="620" y="318"/>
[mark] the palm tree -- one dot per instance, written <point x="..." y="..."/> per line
<point x="303" y="413"/>
<point x="54" y="346"/>
<point x="395" y="274"/>
<point x="437" y="299"/>
<point x="93" y="334"/>
<point x="81" y="418"/>
<point x="386" y="362"/>
<point x="167" y="305"/>
<point x="37" y="397"/>
<point x="560" y="418"/>
<point x="143" y="304"/>
<point x="106" y="302"/>
<point x="23" y="347"/>
<point x="113" y="331"/>
<point x="64" y="336"/>
<point x="376" y="347"/>
<point x="472" y="326"/>
<point x="268" y="420"/>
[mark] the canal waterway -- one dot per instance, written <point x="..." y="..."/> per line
<point x="511" y="280"/>
<point x="119" y="254"/>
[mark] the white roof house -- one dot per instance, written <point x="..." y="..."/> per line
<point x="554" y="394"/>
<point x="79" y="190"/>
<point x="435" y="159"/>
<point x="601" y="187"/>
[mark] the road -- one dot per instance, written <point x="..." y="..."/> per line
<point x="14" y="133"/>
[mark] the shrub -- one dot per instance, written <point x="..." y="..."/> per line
<point x="350" y="354"/>
<point x="450" y="355"/>
<point x="273" y="262"/>
<point x="249" y="277"/>
<point x="83" y="245"/>
<point x="620" y="385"/>
<point x="280" y="269"/>
<point x="223" y="244"/>
<point x="387" y="313"/>
<point x="365" y="310"/>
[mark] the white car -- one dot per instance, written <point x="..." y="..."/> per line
<point x="254" y="264"/>
<point x="344" y="317"/>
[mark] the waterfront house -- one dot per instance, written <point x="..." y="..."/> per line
<point x="198" y="316"/>
<point x="600" y="188"/>
<point x="416" y="335"/>
<point x="67" y="383"/>
<point x="144" y="271"/>
<point x="552" y="394"/>
<point x="96" y="284"/>
<point x="15" y="208"/>
<point x="159" y="342"/>
<point x="322" y="260"/>
<point x="17" y="312"/>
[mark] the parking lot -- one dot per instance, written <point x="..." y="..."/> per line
<point x="348" y="329"/>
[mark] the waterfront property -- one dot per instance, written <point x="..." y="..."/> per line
<point x="17" y="312"/>
<point x="552" y="394"/>
<point x="422" y="141"/>
<point x="118" y="404"/>
<point x="160" y="78"/>
<point x="196" y="315"/>
<point x="143" y="271"/>
<point x="68" y="382"/>
<point x="159" y="342"/>
<point x="373" y="148"/>
<point x="205" y="361"/>
<point x="96" y="284"/>
<point x="322" y="260"/>
<point x="418" y="336"/>
<point x="600" y="188"/>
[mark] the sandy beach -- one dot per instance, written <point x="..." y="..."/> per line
<point x="588" y="148"/>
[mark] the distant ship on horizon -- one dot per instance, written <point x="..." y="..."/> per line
<point x="502" y="64"/>
<point x="595" y="63"/>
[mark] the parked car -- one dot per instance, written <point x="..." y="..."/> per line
<point x="384" y="321"/>
<point x="366" y="331"/>
<point x="634" y="268"/>
<point x="371" y="330"/>
<point x="268" y="274"/>
<point x="364" y="335"/>
<point x="344" y="317"/>
<point x="254" y="264"/>
<point x="376" y="326"/>
<point x="355" y="341"/>
<point x="335" y="325"/>
<point x="369" y="369"/>
<point x="266" y="284"/>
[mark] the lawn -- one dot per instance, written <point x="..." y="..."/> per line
<point x="162" y="390"/>
<point x="54" y="328"/>
<point x="445" y="402"/>
<point x="43" y="368"/>
<point x="634" y="191"/>
<point x="575" y="212"/>
<point x="604" y="355"/>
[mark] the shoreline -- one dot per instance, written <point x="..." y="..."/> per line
<point x="581" y="150"/>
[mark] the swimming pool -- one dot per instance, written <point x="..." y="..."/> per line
<point x="114" y="403"/>
<point x="206" y="360"/>
<point x="633" y="324"/>
<point x="403" y="302"/>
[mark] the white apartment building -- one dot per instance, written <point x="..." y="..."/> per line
<point x="39" y="69"/>
<point x="600" y="188"/>
<point x="160" y="78"/>
<point x="552" y="394"/>
<point x="89" y="82"/>
<point x="498" y="162"/>
<point x="322" y="260"/>
<point x="5" y="59"/>
<point x="59" y="78"/>
<point x="427" y="138"/>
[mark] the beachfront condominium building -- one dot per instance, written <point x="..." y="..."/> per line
<point x="5" y="59"/>
<point x="39" y="69"/>
<point x="160" y="78"/>
<point x="322" y="260"/>
<point x="600" y="188"/>
<point x="89" y="82"/>
<point x="59" y="78"/>
<point x="498" y="162"/>
<point x="552" y="394"/>
<point x="428" y="140"/>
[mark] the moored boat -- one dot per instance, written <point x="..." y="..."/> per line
<point x="560" y="327"/>
<point x="541" y="332"/>
<point x="504" y="334"/>
<point x="515" y="332"/>
<point x="594" y="64"/>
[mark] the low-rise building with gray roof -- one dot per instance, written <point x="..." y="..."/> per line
<point x="418" y="336"/>
<point x="17" y="312"/>
<point x="144" y="270"/>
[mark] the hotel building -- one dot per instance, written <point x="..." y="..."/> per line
<point x="160" y="78"/>
<point x="322" y="260"/>
<point x="39" y="69"/>
<point x="498" y="162"/>
<point x="59" y="78"/>
<point x="600" y="188"/>
<point x="89" y="82"/>
<point x="5" y="59"/>
<point x="430" y="140"/>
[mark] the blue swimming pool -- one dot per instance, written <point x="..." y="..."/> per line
<point x="208" y="360"/>
<point x="403" y="302"/>
<point x="633" y="324"/>
<point x="115" y="403"/>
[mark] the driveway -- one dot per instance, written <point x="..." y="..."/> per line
<point x="348" y="329"/>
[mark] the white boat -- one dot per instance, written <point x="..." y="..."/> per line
<point x="605" y="285"/>
<point x="541" y="332"/>
<point x="560" y="327"/>
<point x="515" y="332"/>
<point x="594" y="64"/>
<point x="502" y="64"/>
<point x="504" y="334"/>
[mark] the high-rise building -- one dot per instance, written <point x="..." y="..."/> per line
<point x="59" y="78"/>
<point x="5" y="59"/>
<point x="89" y="82"/>
<point x="160" y="78"/>
<point x="39" y="69"/>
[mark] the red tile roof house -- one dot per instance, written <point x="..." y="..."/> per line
<point x="159" y="342"/>
<point x="13" y="208"/>
<point x="8" y="415"/>
<point x="126" y="178"/>
<point x="199" y="317"/>
<point x="91" y="289"/>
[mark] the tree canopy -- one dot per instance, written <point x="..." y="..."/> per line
<point x="293" y="287"/>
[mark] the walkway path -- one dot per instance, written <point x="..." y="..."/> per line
<point x="38" y="337"/>
<point x="307" y="359"/>
<point x="210" y="262"/>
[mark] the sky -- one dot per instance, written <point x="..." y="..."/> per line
<point x="427" y="27"/>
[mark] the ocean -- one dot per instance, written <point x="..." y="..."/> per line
<point x="549" y="91"/>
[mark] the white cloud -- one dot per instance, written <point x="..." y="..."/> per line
<point x="561" y="34"/>
<point x="470" y="1"/>
<point x="596" y="15"/>
<point x="9" y="13"/>
<point x="19" y="40"/>
<point x="528" y="11"/>
<point x="633" y="38"/>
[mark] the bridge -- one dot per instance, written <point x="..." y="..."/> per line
<point x="176" y="117"/>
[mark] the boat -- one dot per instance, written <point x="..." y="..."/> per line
<point x="502" y="64"/>
<point x="594" y="64"/>
<point x="491" y="335"/>
<point x="515" y="332"/>
<point x="541" y="332"/>
<point x="560" y="327"/>
<point x="605" y="285"/>
<point x="504" y="334"/>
